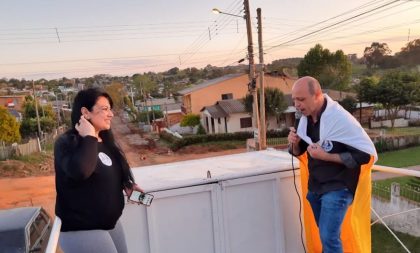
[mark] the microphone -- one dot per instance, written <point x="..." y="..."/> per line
<point x="298" y="115"/>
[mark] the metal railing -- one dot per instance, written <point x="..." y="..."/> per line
<point x="382" y="192"/>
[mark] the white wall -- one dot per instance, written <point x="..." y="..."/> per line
<point x="387" y="123"/>
<point x="234" y="123"/>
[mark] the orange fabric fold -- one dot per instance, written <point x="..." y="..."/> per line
<point x="355" y="232"/>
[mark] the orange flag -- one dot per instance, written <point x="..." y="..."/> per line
<point x="355" y="232"/>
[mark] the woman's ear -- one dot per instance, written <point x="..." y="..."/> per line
<point x="85" y="112"/>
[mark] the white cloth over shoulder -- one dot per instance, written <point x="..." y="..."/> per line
<point x="339" y="125"/>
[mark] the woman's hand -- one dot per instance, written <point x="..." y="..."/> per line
<point x="84" y="127"/>
<point x="135" y="187"/>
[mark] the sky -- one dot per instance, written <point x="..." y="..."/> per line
<point x="80" y="38"/>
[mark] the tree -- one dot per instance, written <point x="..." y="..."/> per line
<point x="365" y="89"/>
<point x="145" y="84"/>
<point x="9" y="127"/>
<point x="29" y="125"/>
<point x="410" y="54"/>
<point x="332" y="70"/>
<point x="393" y="91"/>
<point x="190" y="120"/>
<point x="275" y="102"/>
<point x="374" y="54"/>
<point x="117" y="93"/>
<point x="349" y="103"/>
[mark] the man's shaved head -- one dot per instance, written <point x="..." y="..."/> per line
<point x="313" y="86"/>
<point x="307" y="96"/>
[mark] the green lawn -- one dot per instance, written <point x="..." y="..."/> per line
<point x="384" y="242"/>
<point x="401" y="131"/>
<point x="400" y="158"/>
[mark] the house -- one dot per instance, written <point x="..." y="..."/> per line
<point x="232" y="86"/>
<point x="13" y="101"/>
<point x="226" y="116"/>
<point x="170" y="108"/>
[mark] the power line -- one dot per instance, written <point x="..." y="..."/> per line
<point x="335" y="24"/>
<point x="329" y="19"/>
<point x="203" y="39"/>
<point x="314" y="36"/>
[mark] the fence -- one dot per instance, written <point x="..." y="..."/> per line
<point x="381" y="192"/>
<point x="32" y="146"/>
<point x="275" y="142"/>
<point x="405" y="191"/>
<point x="6" y="152"/>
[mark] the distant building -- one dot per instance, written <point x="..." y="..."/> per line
<point x="226" y="116"/>
<point x="13" y="102"/>
<point x="232" y="86"/>
<point x="169" y="107"/>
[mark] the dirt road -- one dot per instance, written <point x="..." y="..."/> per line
<point x="40" y="191"/>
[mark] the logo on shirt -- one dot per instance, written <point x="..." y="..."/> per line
<point x="105" y="159"/>
<point x="327" y="145"/>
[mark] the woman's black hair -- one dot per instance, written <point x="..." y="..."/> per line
<point x="87" y="98"/>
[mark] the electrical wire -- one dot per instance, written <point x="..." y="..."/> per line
<point x="322" y="33"/>
<point x="300" y="202"/>
<point x="332" y="25"/>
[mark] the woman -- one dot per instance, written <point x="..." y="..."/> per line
<point x="91" y="174"/>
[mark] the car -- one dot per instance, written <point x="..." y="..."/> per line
<point x="28" y="229"/>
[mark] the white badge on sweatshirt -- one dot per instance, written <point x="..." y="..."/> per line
<point x="105" y="159"/>
<point x="327" y="145"/>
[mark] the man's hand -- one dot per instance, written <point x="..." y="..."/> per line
<point x="316" y="151"/>
<point x="293" y="140"/>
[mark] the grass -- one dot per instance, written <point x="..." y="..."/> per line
<point x="402" y="131"/>
<point x="400" y="158"/>
<point x="34" y="158"/>
<point x="384" y="242"/>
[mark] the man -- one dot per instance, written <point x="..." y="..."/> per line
<point x="337" y="147"/>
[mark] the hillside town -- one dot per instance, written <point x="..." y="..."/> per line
<point x="207" y="129"/>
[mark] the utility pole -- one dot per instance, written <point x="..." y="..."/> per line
<point x="252" y="82"/>
<point x="263" y="131"/>
<point x="131" y="93"/>
<point x="145" y="105"/>
<point x="36" y="110"/>
<point x="57" y="109"/>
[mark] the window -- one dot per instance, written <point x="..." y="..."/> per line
<point x="227" y="96"/>
<point x="246" y="122"/>
<point x="218" y="120"/>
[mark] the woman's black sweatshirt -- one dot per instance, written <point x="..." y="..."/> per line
<point x="88" y="182"/>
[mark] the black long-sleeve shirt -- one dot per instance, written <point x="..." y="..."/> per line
<point x="88" y="183"/>
<point x="325" y="176"/>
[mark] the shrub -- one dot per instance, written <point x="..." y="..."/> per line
<point x="176" y="143"/>
<point x="201" y="130"/>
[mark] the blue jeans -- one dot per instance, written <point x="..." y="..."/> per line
<point x="329" y="210"/>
